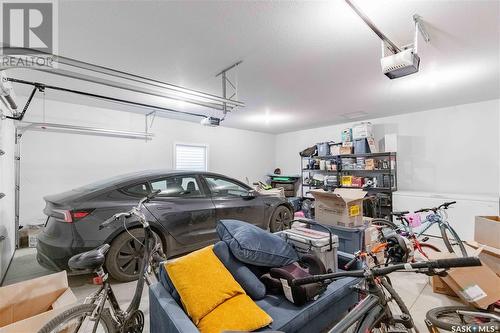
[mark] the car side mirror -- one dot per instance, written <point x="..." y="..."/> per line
<point x="251" y="194"/>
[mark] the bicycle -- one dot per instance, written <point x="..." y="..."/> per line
<point x="449" y="235"/>
<point x="376" y="312"/>
<point x="405" y="230"/>
<point x="92" y="315"/>
<point x="438" y="216"/>
<point x="463" y="319"/>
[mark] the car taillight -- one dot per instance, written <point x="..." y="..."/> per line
<point x="71" y="216"/>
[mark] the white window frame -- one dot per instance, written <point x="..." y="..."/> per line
<point x="199" y="145"/>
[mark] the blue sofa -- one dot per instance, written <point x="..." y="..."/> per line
<point x="166" y="315"/>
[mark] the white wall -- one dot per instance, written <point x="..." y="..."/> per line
<point x="7" y="222"/>
<point x="55" y="162"/>
<point x="448" y="150"/>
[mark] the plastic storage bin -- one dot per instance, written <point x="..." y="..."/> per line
<point x="361" y="146"/>
<point x="362" y="131"/>
<point x="350" y="240"/>
<point x="323" y="148"/>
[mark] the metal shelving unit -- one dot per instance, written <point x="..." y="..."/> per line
<point x="387" y="176"/>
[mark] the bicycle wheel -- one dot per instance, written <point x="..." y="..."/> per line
<point x="447" y="318"/>
<point x="385" y="223"/>
<point x="453" y="243"/>
<point x="69" y="321"/>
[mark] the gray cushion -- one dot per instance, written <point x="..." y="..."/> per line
<point x="241" y="273"/>
<point x="255" y="246"/>
<point x="314" y="316"/>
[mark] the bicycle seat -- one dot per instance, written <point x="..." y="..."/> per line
<point x="92" y="259"/>
<point x="400" y="214"/>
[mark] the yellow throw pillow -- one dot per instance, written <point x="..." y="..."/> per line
<point x="202" y="281"/>
<point x="238" y="313"/>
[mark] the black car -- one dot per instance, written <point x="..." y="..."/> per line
<point x="183" y="216"/>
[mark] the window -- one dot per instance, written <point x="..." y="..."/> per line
<point x="138" y="189"/>
<point x="191" y="157"/>
<point x="177" y="186"/>
<point x="223" y="187"/>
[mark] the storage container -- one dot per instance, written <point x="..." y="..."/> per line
<point x="361" y="146"/>
<point x="323" y="148"/>
<point x="362" y="130"/>
<point x="322" y="244"/>
<point x="335" y="149"/>
<point x="347" y="135"/>
<point x="350" y="240"/>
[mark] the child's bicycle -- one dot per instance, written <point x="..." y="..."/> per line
<point x="438" y="216"/>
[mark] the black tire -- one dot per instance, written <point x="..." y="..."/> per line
<point x="385" y="223"/>
<point x="452" y="240"/>
<point x="84" y="310"/>
<point x="124" y="258"/>
<point x="446" y="318"/>
<point x="281" y="218"/>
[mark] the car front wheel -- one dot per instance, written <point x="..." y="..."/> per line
<point x="124" y="259"/>
<point x="281" y="218"/>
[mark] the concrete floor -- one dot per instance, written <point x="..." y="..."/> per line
<point x="413" y="288"/>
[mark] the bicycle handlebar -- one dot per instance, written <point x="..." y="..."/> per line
<point x="435" y="209"/>
<point x="131" y="212"/>
<point x="433" y="264"/>
<point x="350" y="263"/>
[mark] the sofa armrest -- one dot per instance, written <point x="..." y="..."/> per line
<point x="165" y="315"/>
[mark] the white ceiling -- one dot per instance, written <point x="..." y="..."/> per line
<point x="305" y="63"/>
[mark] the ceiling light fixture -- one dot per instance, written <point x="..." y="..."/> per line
<point x="399" y="62"/>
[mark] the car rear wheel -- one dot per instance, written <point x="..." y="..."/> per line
<point x="281" y="218"/>
<point x="124" y="259"/>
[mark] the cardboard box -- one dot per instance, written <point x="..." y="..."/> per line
<point x="28" y="235"/>
<point x="487" y="230"/>
<point x="477" y="285"/>
<point x="369" y="164"/>
<point x="440" y="287"/>
<point x="345" y="150"/>
<point x="27" y="306"/>
<point x="343" y="207"/>
<point x="490" y="256"/>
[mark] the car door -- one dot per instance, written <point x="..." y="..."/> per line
<point x="184" y="208"/>
<point x="232" y="202"/>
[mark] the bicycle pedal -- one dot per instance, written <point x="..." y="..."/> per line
<point x="425" y="239"/>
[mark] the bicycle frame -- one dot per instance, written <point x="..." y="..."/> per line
<point x="373" y="308"/>
<point x="368" y="305"/>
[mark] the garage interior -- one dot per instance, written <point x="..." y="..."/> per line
<point x="334" y="114"/>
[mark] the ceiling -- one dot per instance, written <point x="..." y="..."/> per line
<point x="305" y="63"/>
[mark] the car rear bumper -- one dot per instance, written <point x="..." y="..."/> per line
<point x="57" y="243"/>
<point x="52" y="254"/>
